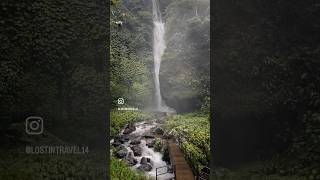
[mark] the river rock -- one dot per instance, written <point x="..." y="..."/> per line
<point x="129" y="128"/>
<point x="124" y="139"/>
<point x="116" y="143"/>
<point x="159" y="131"/>
<point x="137" y="150"/>
<point x="145" y="167"/>
<point x="120" y="139"/>
<point x="148" y="135"/>
<point x="135" y="141"/>
<point x="145" y="160"/>
<point x="130" y="160"/>
<point x="122" y="153"/>
<point x="121" y="146"/>
<point x="150" y="142"/>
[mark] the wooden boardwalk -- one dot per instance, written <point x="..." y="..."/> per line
<point x="182" y="169"/>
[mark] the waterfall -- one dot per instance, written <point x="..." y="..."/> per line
<point x="158" y="50"/>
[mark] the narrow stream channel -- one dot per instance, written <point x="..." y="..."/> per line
<point x="136" y="147"/>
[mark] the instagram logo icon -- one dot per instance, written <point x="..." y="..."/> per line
<point x="34" y="125"/>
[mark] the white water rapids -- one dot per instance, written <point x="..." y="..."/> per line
<point x="156" y="157"/>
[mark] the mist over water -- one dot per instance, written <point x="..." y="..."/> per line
<point x="158" y="50"/>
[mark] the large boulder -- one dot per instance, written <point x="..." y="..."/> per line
<point x="137" y="150"/>
<point x="130" y="160"/>
<point x="135" y="141"/>
<point x="148" y="135"/>
<point x="150" y="142"/>
<point x="121" y="153"/>
<point x="145" y="160"/>
<point x="145" y="167"/>
<point x="119" y="139"/>
<point x="116" y="143"/>
<point x="159" y="131"/>
<point x="129" y="128"/>
<point x="123" y="138"/>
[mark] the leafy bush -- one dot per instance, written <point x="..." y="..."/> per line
<point x="119" y="171"/>
<point x="130" y="53"/>
<point x="120" y="118"/>
<point x="193" y="134"/>
<point x="158" y="145"/>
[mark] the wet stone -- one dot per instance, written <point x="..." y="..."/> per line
<point x="145" y="160"/>
<point x="149" y="135"/>
<point x="129" y="128"/>
<point x="145" y="167"/>
<point x="150" y="142"/>
<point x="122" y="153"/>
<point x="130" y="160"/>
<point x="135" y="141"/>
<point x="116" y="143"/>
<point x="137" y="150"/>
<point x="124" y="139"/>
<point x="159" y="131"/>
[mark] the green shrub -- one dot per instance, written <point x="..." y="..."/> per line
<point x="120" y="118"/>
<point x="158" y="145"/>
<point x="193" y="132"/>
<point x="119" y="171"/>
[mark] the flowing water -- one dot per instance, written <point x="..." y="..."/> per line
<point x="158" y="50"/>
<point x="155" y="157"/>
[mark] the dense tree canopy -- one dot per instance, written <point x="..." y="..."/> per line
<point x="53" y="64"/>
<point x="131" y="54"/>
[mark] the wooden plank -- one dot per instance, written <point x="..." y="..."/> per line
<point x="182" y="169"/>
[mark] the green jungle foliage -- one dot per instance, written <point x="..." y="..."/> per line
<point x="52" y="65"/>
<point x="120" y="118"/>
<point x="45" y="167"/>
<point x="120" y="170"/>
<point x="131" y="54"/>
<point x="193" y="133"/>
<point x="158" y="146"/>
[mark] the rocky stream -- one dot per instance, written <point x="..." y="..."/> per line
<point x="136" y="146"/>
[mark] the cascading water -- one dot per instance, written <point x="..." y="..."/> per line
<point x="158" y="50"/>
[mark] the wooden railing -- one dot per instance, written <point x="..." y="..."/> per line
<point x="169" y="169"/>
